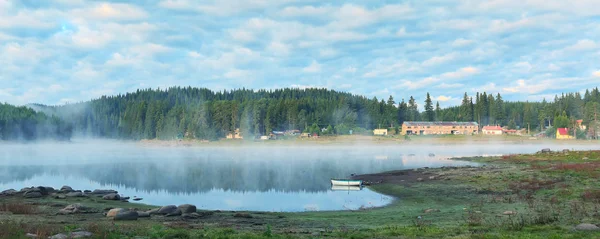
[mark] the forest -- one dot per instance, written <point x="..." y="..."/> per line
<point x="24" y="124"/>
<point x="199" y="113"/>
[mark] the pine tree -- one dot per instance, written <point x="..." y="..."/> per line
<point x="429" y="113"/>
<point x="413" y="110"/>
<point x="438" y="111"/>
<point x="402" y="112"/>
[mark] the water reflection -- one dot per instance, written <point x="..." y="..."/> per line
<point x="227" y="178"/>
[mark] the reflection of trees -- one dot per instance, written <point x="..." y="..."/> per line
<point x="201" y="175"/>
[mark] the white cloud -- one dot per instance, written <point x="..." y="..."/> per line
<point x="278" y="49"/>
<point x="436" y="60"/>
<point x="461" y="42"/>
<point x="596" y="74"/>
<point x="237" y="74"/>
<point x="314" y="67"/>
<point x="345" y="86"/>
<point x="114" y="11"/>
<point x="350" y="69"/>
<point x="327" y="52"/>
<point x="582" y="45"/>
<point x="306" y="11"/>
<point x="443" y="98"/>
<point x="449" y="85"/>
<point x="353" y="16"/>
<point x="461" y="73"/>
<point x="458" y="24"/>
<point x="194" y="54"/>
<point x="418" y="84"/>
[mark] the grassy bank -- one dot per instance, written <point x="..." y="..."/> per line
<point x="513" y="196"/>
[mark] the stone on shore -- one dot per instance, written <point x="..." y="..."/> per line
<point x="9" y="192"/>
<point x="187" y="208"/>
<point x="190" y="215"/>
<point x="431" y="210"/>
<point x="113" y="212"/>
<point x="72" y="209"/>
<point x="75" y="194"/>
<point x="509" y="213"/>
<point x="126" y="216"/>
<point x="167" y="210"/>
<point x="153" y="211"/>
<point x="177" y="212"/>
<point x="587" y="227"/>
<point x="66" y="189"/>
<point x="33" y="194"/>
<point x="112" y="196"/>
<point x="143" y="214"/>
<point x="104" y="191"/>
<point x="81" y="234"/>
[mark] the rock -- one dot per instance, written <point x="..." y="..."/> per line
<point x="431" y="210"/>
<point x="81" y="234"/>
<point x="103" y="191"/>
<point x="587" y="227"/>
<point x="33" y="194"/>
<point x="87" y="191"/>
<point x="509" y="213"/>
<point x="242" y="215"/>
<point x="187" y="208"/>
<point x="143" y="214"/>
<point x="60" y="196"/>
<point x="431" y="155"/>
<point x="419" y="179"/>
<point x="177" y="212"/>
<point x="167" y="209"/>
<point x="585" y="158"/>
<point x="153" y="211"/>
<point x="125" y="198"/>
<point x="126" y="216"/>
<point x="138" y="199"/>
<point x="566" y="151"/>
<point x="75" y="194"/>
<point x="546" y="151"/>
<point x="431" y="177"/>
<point x="73" y="208"/>
<point x="190" y="215"/>
<point x="113" y="212"/>
<point x="9" y="192"/>
<point x="31" y="235"/>
<point x="112" y="196"/>
<point x="66" y="189"/>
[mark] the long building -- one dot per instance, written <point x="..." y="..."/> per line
<point x="439" y="128"/>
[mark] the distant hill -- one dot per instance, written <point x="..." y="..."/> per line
<point x="23" y="123"/>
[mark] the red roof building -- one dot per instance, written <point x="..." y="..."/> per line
<point x="563" y="133"/>
<point x="492" y="130"/>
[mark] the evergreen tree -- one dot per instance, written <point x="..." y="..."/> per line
<point x="429" y="113"/>
<point x="438" y="111"/>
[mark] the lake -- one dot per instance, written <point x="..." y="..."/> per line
<point x="250" y="177"/>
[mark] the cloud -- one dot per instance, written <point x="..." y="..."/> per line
<point x="596" y="73"/>
<point x="114" y="11"/>
<point x="461" y="42"/>
<point x="278" y="49"/>
<point x="436" y="60"/>
<point x="314" y="67"/>
<point x="461" y="73"/>
<point x="306" y="11"/>
<point x="443" y="98"/>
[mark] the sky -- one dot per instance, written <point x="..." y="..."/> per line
<point x="65" y="51"/>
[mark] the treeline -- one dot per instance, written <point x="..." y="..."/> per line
<point x="200" y="113"/>
<point x="23" y="123"/>
<point x="203" y="114"/>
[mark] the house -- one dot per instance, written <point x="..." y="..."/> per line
<point x="264" y="137"/>
<point x="236" y="134"/>
<point x="563" y="133"/>
<point x="580" y="125"/>
<point x="492" y="130"/>
<point x="305" y="135"/>
<point x="512" y="132"/>
<point x="380" y="132"/>
<point x="292" y="132"/>
<point x="439" y="128"/>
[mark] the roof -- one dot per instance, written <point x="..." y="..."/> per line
<point x="490" y="128"/>
<point x="563" y="131"/>
<point x="439" y="123"/>
<point x="579" y="121"/>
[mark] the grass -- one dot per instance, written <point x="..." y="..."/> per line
<point x="18" y="208"/>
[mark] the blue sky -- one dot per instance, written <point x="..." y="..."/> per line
<point x="60" y="51"/>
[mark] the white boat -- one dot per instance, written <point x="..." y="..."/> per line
<point x="345" y="188"/>
<point x="346" y="182"/>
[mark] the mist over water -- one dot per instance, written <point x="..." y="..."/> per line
<point x="248" y="177"/>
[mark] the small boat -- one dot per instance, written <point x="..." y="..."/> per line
<point x="345" y="188"/>
<point x="346" y="182"/>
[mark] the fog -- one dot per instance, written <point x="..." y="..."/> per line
<point x="253" y="173"/>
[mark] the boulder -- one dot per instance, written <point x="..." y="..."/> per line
<point x="32" y="194"/>
<point x="72" y="209"/>
<point x="9" y="192"/>
<point x="587" y="227"/>
<point x="143" y="214"/>
<point x="190" y="215"/>
<point x="126" y="216"/>
<point x="546" y="151"/>
<point x="419" y="179"/>
<point x="104" y="191"/>
<point x="153" y="211"/>
<point x="112" y="196"/>
<point x="75" y="194"/>
<point x="87" y="191"/>
<point x="187" y="208"/>
<point x="431" y="177"/>
<point x="509" y="213"/>
<point x="167" y="210"/>
<point x="125" y="198"/>
<point x="138" y="199"/>
<point x="80" y="234"/>
<point x="585" y="158"/>
<point x="177" y="212"/>
<point x="113" y="212"/>
<point x="31" y="235"/>
<point x="59" y="196"/>
<point x="30" y="189"/>
<point x="66" y="189"/>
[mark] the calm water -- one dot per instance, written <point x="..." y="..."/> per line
<point x="228" y="178"/>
